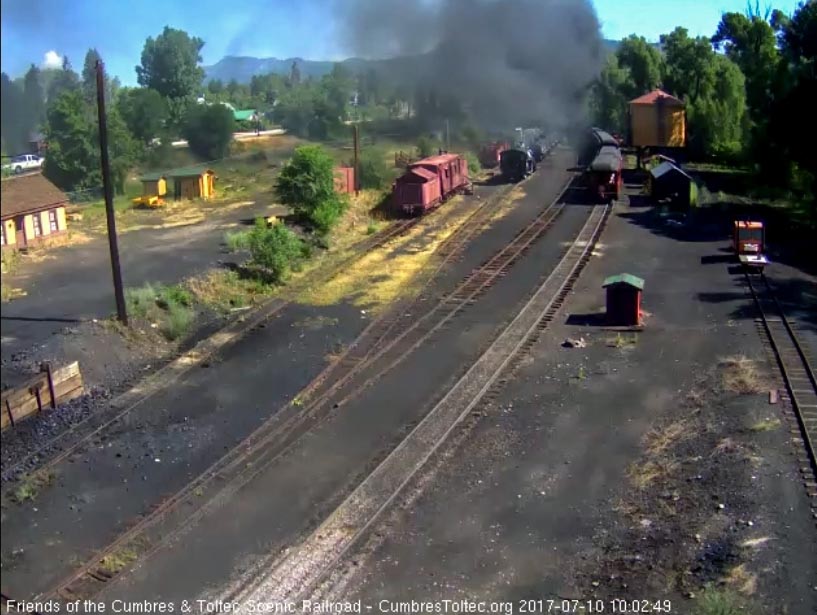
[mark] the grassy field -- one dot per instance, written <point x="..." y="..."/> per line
<point x="249" y="172"/>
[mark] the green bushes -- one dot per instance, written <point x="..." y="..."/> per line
<point x="209" y="130"/>
<point x="168" y="307"/>
<point x="178" y="321"/>
<point x="474" y="166"/>
<point x="375" y="174"/>
<point x="327" y="213"/>
<point x="140" y="300"/>
<point x="307" y="184"/>
<point x="276" y="250"/>
<point x="236" y="240"/>
<point x="426" y="146"/>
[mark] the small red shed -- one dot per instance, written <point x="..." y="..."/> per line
<point x="344" y="180"/>
<point x="624" y="299"/>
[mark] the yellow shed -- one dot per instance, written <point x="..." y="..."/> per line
<point x="193" y="183"/>
<point x="154" y="184"/>
<point x="657" y="119"/>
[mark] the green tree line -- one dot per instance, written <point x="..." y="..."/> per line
<point x="748" y="90"/>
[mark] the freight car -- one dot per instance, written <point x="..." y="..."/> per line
<point x="604" y="175"/>
<point x="516" y="164"/>
<point x="489" y="154"/>
<point x="430" y="181"/>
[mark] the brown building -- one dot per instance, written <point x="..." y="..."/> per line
<point x="193" y="183"/>
<point x="32" y="209"/>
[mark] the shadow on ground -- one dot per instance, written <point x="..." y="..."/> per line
<point x="593" y="319"/>
<point x="797" y="296"/>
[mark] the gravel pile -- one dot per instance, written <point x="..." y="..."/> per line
<point x="30" y="436"/>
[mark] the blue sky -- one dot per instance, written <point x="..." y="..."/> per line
<point x="42" y="31"/>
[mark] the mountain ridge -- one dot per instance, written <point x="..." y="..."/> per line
<point x="244" y="68"/>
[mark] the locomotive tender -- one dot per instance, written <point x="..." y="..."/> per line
<point x="602" y="160"/>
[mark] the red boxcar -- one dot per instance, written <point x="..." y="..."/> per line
<point x="416" y="190"/>
<point x="489" y="154"/>
<point x="428" y="182"/>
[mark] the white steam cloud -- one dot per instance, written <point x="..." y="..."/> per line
<point x="52" y="60"/>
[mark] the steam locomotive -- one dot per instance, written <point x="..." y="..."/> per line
<point x="600" y="157"/>
<point x="517" y="163"/>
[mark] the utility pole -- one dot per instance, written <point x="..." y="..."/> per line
<point x="121" y="309"/>
<point x="356" y="138"/>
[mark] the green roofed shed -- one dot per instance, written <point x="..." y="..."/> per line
<point x="624" y="299"/>
<point x="188" y="171"/>
<point x="244" y="115"/>
<point x="624" y="278"/>
<point x="193" y="182"/>
<point x="152" y="176"/>
<point x="154" y="184"/>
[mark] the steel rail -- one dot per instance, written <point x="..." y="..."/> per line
<point x="805" y="413"/>
<point x="296" y="573"/>
<point x="281" y="429"/>
<point x="274" y="307"/>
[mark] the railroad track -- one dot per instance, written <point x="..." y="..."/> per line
<point x="798" y="375"/>
<point x="71" y="440"/>
<point x="292" y="576"/>
<point x="216" y="485"/>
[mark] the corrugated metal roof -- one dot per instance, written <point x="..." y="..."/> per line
<point x="29" y="193"/>
<point x="624" y="278"/>
<point x="650" y="98"/>
<point x="667" y="167"/>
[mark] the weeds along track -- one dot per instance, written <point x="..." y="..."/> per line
<point x="56" y="449"/>
<point x="376" y="351"/>
<point x="68" y="442"/>
<point x="295" y="574"/>
<point x="798" y="376"/>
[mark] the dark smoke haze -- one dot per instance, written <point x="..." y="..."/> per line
<point x="509" y="61"/>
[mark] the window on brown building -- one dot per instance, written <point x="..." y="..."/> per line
<point x="52" y="220"/>
<point x="3" y="234"/>
<point x="38" y="229"/>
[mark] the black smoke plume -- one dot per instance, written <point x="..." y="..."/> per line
<point x="505" y="62"/>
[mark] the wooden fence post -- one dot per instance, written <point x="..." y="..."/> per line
<point x="48" y="375"/>
<point x="36" y="391"/>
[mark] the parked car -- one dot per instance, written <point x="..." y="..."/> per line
<point x="26" y="162"/>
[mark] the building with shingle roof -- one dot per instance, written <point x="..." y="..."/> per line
<point x="31" y="209"/>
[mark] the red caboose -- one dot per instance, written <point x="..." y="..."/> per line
<point x="430" y="181"/>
